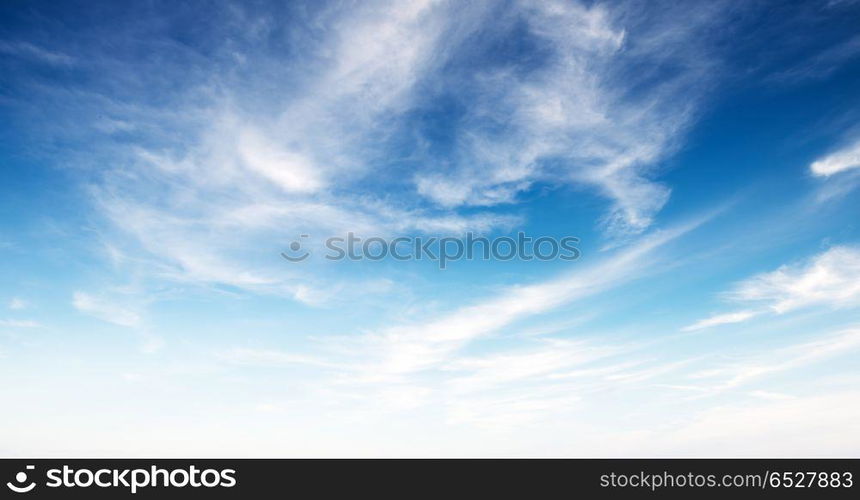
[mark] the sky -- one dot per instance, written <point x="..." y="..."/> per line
<point x="158" y="158"/>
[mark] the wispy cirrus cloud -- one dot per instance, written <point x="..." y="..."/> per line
<point x="17" y="304"/>
<point x="405" y="349"/>
<point x="105" y="310"/>
<point x="787" y="358"/>
<point x="252" y="175"/>
<point x="223" y="153"/>
<point x="578" y="118"/>
<point x="721" y="319"/>
<point x="206" y="144"/>
<point x="31" y="51"/>
<point x="831" y="278"/>
<point x="842" y="160"/>
<point x="823" y="64"/>
<point x="18" y="323"/>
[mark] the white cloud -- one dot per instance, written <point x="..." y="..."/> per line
<point x="529" y="379"/>
<point x="16" y="304"/>
<point x="404" y="349"/>
<point x="256" y="150"/>
<point x="290" y="171"/>
<point x="781" y="360"/>
<point x="28" y="50"/>
<point x="17" y="323"/>
<point x="831" y="278"/>
<point x="823" y="64"/>
<point x="105" y="310"/>
<point x="574" y="119"/>
<point x="845" y="159"/>
<point x="254" y="170"/>
<point x="721" y="319"/>
<point x="480" y="373"/>
<point x="229" y="168"/>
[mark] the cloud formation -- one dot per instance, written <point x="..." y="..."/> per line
<point x="720" y="319"/>
<point x="16" y="304"/>
<point x="792" y="357"/>
<point x="845" y="159"/>
<point x="218" y="153"/>
<point x="18" y="323"/>
<point x="105" y="310"/>
<point x="831" y="279"/>
<point x="579" y="117"/>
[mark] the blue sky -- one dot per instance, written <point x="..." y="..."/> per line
<point x="156" y="158"/>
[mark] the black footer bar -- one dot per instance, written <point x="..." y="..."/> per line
<point x="393" y="478"/>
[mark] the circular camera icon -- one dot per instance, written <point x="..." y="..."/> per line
<point x="296" y="253"/>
